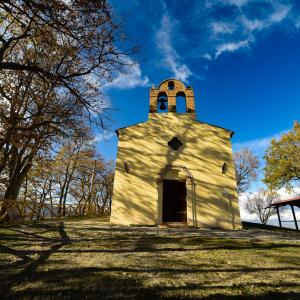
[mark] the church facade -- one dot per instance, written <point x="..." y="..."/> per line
<point x="173" y="168"/>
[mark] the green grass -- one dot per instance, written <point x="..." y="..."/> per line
<point x="87" y="259"/>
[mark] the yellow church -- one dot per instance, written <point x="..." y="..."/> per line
<point x="174" y="169"/>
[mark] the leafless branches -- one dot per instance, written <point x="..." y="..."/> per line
<point x="246" y="167"/>
<point x="260" y="205"/>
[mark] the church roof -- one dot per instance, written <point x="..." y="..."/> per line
<point x="230" y="131"/>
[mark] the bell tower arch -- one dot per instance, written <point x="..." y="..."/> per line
<point x="171" y="88"/>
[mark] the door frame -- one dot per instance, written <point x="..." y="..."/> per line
<point x="177" y="172"/>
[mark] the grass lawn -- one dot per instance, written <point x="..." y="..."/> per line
<point x="88" y="259"/>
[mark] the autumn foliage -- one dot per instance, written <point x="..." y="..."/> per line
<point x="283" y="160"/>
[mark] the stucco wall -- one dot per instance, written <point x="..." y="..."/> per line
<point x="137" y="195"/>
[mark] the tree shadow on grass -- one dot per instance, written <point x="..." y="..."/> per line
<point x="34" y="281"/>
<point x="82" y="283"/>
<point x="30" y="265"/>
<point x="93" y="283"/>
<point x="265" y="296"/>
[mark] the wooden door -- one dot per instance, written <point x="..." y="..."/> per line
<point x="174" y="201"/>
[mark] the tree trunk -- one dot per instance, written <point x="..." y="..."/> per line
<point x="10" y="199"/>
<point x="50" y="197"/>
<point x="18" y="170"/>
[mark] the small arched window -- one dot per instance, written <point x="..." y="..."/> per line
<point x="181" y="102"/>
<point x="162" y="102"/>
<point x="171" y="85"/>
<point x="126" y="167"/>
<point x="224" y="168"/>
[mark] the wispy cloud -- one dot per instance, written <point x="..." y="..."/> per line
<point x="297" y="22"/>
<point x="258" y="146"/>
<point x="281" y="12"/>
<point x="232" y="46"/>
<point x="238" y="3"/>
<point x="104" y="136"/>
<point x="209" y="29"/>
<point x="252" y="25"/>
<point x="207" y="56"/>
<point x="240" y="31"/>
<point x="131" y="77"/>
<point x="171" y="59"/>
<point x="222" y="27"/>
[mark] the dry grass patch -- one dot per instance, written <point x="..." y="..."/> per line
<point x="88" y="259"/>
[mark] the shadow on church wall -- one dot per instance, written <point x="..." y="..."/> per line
<point x="144" y="149"/>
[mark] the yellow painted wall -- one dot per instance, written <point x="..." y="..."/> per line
<point x="137" y="195"/>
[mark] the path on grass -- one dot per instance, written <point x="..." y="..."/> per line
<point x="164" y="231"/>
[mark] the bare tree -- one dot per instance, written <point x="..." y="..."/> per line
<point x="92" y="184"/>
<point x="260" y="205"/>
<point x="75" y="181"/>
<point x="70" y="158"/>
<point x="34" y="118"/>
<point x="54" y="57"/>
<point x="82" y="35"/>
<point x="246" y="167"/>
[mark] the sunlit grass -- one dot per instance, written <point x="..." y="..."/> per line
<point x="88" y="259"/>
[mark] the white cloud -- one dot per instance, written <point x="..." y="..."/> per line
<point x="207" y="56"/>
<point x="231" y="47"/>
<point x="281" y="12"/>
<point x="207" y="32"/>
<point x="240" y="32"/>
<point x="238" y="3"/>
<point x="222" y="28"/>
<point x="171" y="59"/>
<point x="131" y="78"/>
<point x="104" y="136"/>
<point x="252" y="25"/>
<point x="297" y="22"/>
<point x="258" y="146"/>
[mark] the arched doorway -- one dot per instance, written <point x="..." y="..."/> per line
<point x="176" y="195"/>
<point x="174" y="201"/>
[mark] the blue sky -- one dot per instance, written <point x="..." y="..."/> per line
<point x="242" y="58"/>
